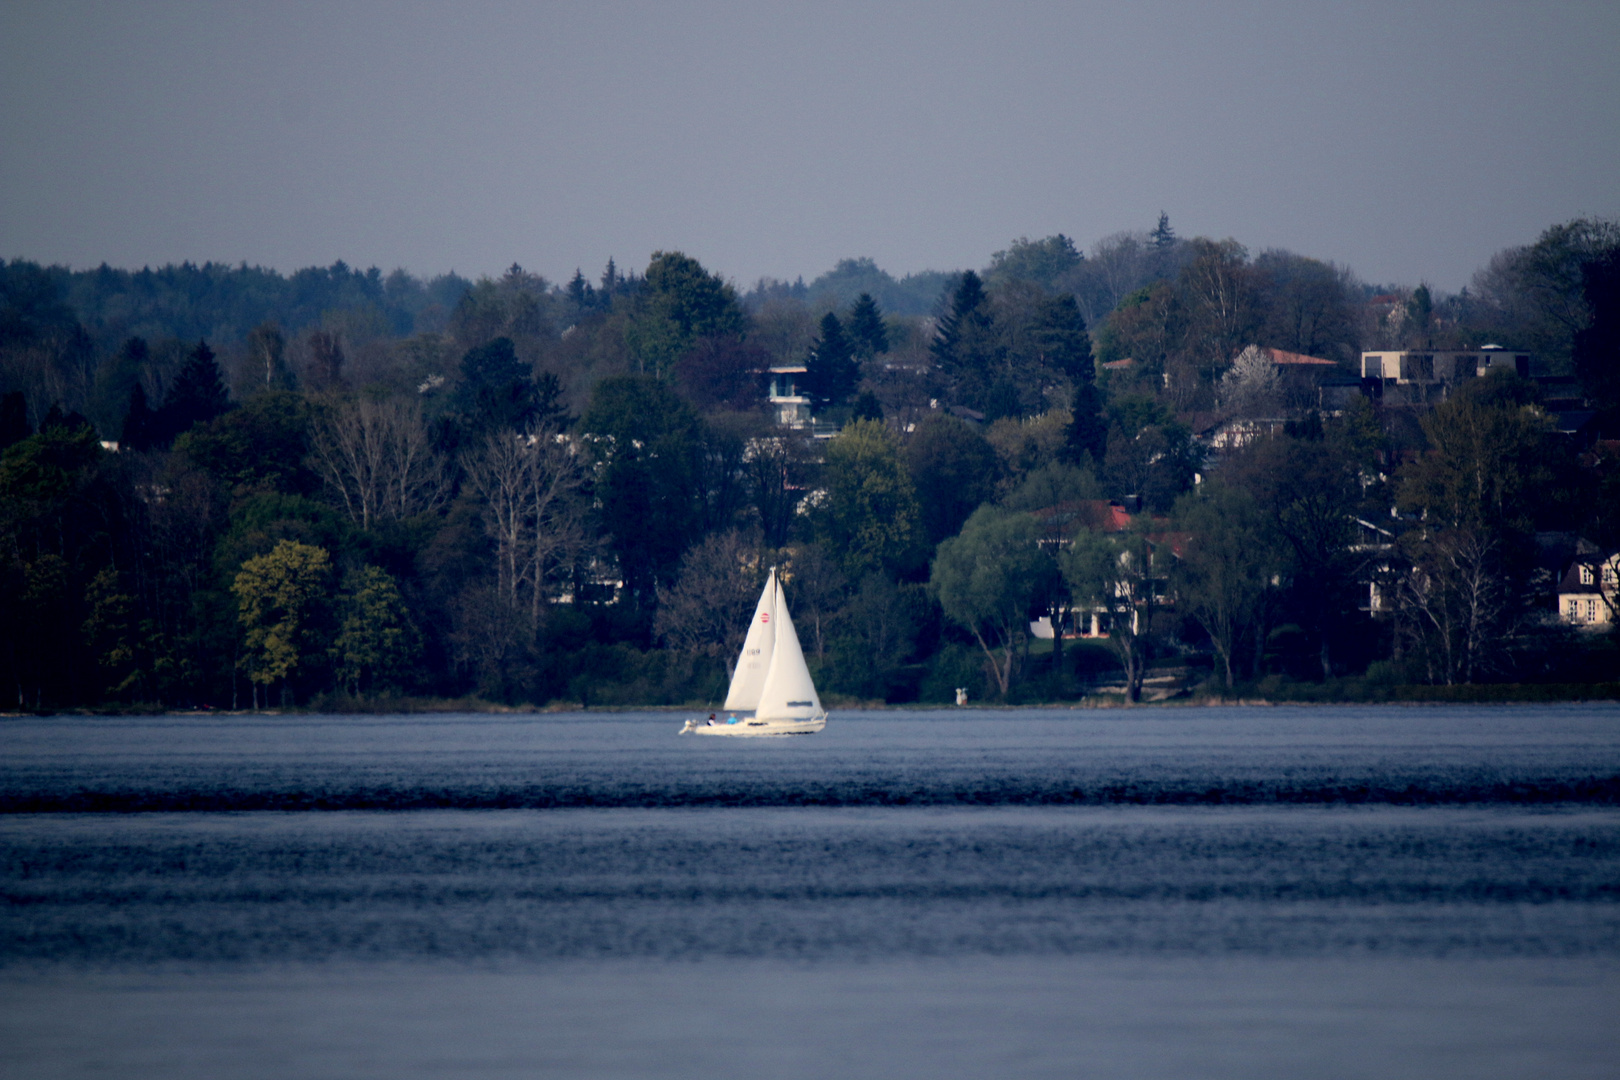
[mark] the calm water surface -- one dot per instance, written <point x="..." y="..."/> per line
<point x="1301" y="892"/>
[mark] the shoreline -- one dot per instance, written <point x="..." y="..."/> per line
<point x="1472" y="694"/>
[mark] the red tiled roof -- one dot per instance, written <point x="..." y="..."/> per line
<point x="1097" y="515"/>
<point x="1279" y="356"/>
<point x="1176" y="541"/>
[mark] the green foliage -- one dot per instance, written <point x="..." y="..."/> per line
<point x="516" y="307"/>
<point x="953" y="469"/>
<point x="1147" y="327"/>
<point x="648" y="448"/>
<point x="40" y="472"/>
<point x="870" y="513"/>
<point x="1052" y="484"/>
<point x="680" y="302"/>
<point x="266" y="368"/>
<point x="987" y="578"/>
<point x="261" y="445"/>
<point x="1486" y="467"/>
<point x="377" y="644"/>
<point x="499" y="391"/>
<point x="971" y="353"/>
<point x="1060" y="340"/>
<point x="868" y="335"/>
<point x="1149" y="454"/>
<point x="278" y="600"/>
<point x="197" y="396"/>
<point x="831" y="373"/>
<point x="1231" y="576"/>
<point x="1117" y="577"/>
<point x="116" y="569"/>
<point x="110" y="633"/>
<point x="1534" y="298"/>
<point x="914" y="294"/>
<point x="1049" y="263"/>
<point x="722" y="373"/>
<point x="872" y="636"/>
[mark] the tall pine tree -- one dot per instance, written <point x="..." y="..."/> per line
<point x="968" y="346"/>
<point x="832" y="373"/>
<point x="196" y="396"/>
<point x="867" y="333"/>
<point x="140" y="424"/>
<point x="1061" y="340"/>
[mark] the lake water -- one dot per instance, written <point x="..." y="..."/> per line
<point x="1329" y="892"/>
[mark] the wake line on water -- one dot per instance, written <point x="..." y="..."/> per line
<point x="1586" y="791"/>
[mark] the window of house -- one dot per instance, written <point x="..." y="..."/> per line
<point x="1591" y="611"/>
<point x="1572" y="610"/>
<point x="1586" y="575"/>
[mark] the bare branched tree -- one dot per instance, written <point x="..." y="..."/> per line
<point x="1457" y="606"/>
<point x="708" y="609"/>
<point x="531" y="488"/>
<point x="377" y="455"/>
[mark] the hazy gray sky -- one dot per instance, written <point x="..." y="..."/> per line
<point x="1407" y="140"/>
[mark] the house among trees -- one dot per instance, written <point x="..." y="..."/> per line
<point x="1429" y="376"/>
<point x="788" y="399"/>
<point x="1588" y="592"/>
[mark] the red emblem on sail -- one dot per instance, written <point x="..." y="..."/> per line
<point x="764" y="616"/>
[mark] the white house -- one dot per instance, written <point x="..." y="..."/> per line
<point x="1588" y="593"/>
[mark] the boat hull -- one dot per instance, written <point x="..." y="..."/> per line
<point x="752" y="728"/>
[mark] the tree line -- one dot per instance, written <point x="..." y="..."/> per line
<point x="339" y="487"/>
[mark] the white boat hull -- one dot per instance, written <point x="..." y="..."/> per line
<point x="751" y="727"/>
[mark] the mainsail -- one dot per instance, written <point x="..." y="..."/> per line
<point x="754" y="662"/>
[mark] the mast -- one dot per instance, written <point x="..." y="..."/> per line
<point x="788" y="692"/>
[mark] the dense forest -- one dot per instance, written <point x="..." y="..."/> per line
<point x="224" y="487"/>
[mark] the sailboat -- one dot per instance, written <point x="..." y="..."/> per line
<point x="771" y="691"/>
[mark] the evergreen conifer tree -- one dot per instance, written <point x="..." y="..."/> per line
<point x="138" y="422"/>
<point x="1162" y="243"/>
<point x="832" y="373"/>
<point x="197" y="396"/>
<point x="497" y="389"/>
<point x="867" y="333"/>
<point x="581" y="293"/>
<point x="1061" y="340"/>
<point x="1088" y="431"/>
<point x="967" y="347"/>
<point x="866" y="407"/>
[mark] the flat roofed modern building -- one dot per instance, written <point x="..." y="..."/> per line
<point x="791" y="404"/>
<point x="1426" y="366"/>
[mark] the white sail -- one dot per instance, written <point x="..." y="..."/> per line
<point x="771" y="692"/>
<point x="788" y="692"/>
<point x="754" y="662"/>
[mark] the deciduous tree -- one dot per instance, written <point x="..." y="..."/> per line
<point x="377" y="643"/>
<point x="869" y="514"/>
<point x="986" y="579"/>
<point x="379" y="459"/>
<point x="278" y="596"/>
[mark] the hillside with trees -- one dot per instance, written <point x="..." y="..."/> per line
<point x="226" y="487"/>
